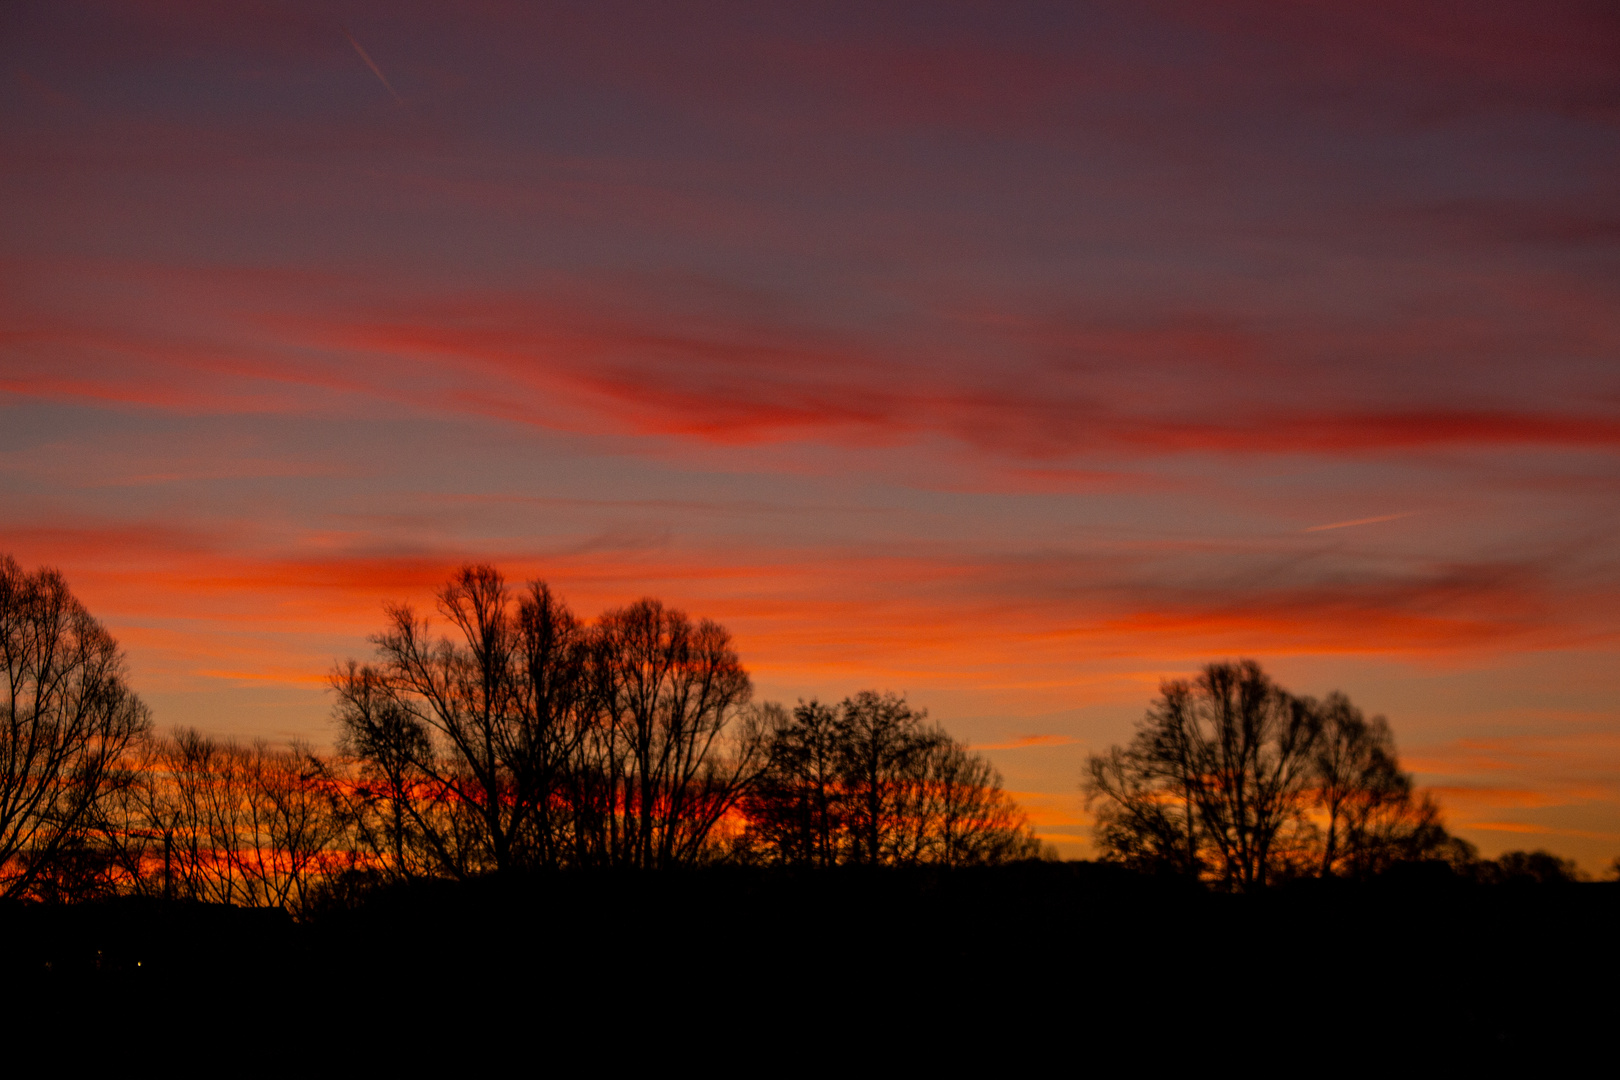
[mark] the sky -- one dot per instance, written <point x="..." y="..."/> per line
<point x="1013" y="356"/>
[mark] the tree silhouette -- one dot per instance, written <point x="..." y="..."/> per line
<point x="389" y="800"/>
<point x="67" y="717"/>
<point x="971" y="820"/>
<point x="795" y="810"/>
<point x="1222" y="763"/>
<point x="1373" y="817"/>
<point x="1225" y="770"/>
<point x="1529" y="868"/>
<point x="883" y="743"/>
<point x="538" y="741"/>
<point x="668" y="691"/>
<point x="464" y="746"/>
<point x="869" y="782"/>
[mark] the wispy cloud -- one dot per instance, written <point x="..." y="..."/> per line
<point x="372" y="64"/>
<point x="1025" y="741"/>
<point x="1359" y="521"/>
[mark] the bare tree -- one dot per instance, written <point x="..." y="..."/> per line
<point x="970" y="820"/>
<point x="870" y="782"/>
<point x="536" y="740"/>
<point x="444" y="725"/>
<point x="795" y="810"/>
<point x="881" y="746"/>
<point x="294" y="827"/>
<point x="203" y="797"/>
<point x="66" y="718"/>
<point x="671" y="692"/>
<point x="389" y="799"/>
<point x="1374" y="818"/>
<point x="1142" y="808"/>
<point x="211" y="820"/>
<point x="464" y="694"/>
<point x="1252" y="743"/>
<point x="134" y="822"/>
<point x="557" y="706"/>
<point x="1224" y="771"/>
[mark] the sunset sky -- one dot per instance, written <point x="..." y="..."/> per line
<point x="1014" y="356"/>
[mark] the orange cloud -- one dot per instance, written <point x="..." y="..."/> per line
<point x="1501" y="797"/>
<point x="282" y="609"/>
<point x="1524" y="829"/>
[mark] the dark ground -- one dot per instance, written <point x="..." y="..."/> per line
<point x="1060" y="959"/>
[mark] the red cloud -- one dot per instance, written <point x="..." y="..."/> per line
<point x="610" y="359"/>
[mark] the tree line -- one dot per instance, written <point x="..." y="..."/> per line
<point x="526" y="739"/>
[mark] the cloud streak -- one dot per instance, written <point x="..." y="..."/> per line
<point x="1358" y="521"/>
<point x="375" y="70"/>
<point x="594" y="362"/>
<point x="1024" y="742"/>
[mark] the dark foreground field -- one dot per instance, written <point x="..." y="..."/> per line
<point x="1063" y="957"/>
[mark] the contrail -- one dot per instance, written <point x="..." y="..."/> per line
<point x="372" y="64"/>
<point x="1028" y="740"/>
<point x="1359" y="521"/>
